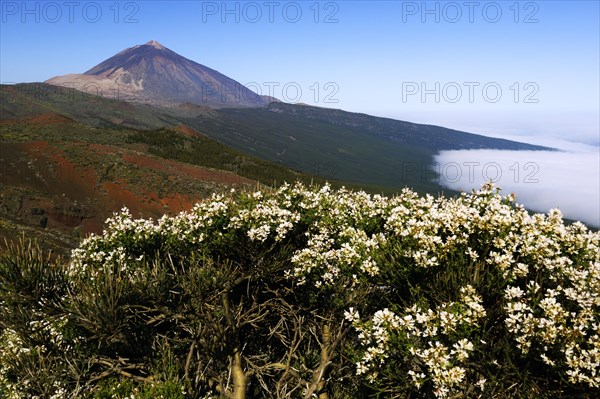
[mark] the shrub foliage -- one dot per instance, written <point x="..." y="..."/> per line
<point x="310" y="292"/>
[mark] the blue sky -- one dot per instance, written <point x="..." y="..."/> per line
<point x="505" y="67"/>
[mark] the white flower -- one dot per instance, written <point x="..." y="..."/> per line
<point x="481" y="384"/>
<point x="351" y="315"/>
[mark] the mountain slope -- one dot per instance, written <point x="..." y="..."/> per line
<point x="28" y="100"/>
<point x="151" y="73"/>
<point x="413" y="134"/>
<point x="331" y="144"/>
<point x="344" y="146"/>
<point x="61" y="178"/>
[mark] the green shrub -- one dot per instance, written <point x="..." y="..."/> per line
<point x="306" y="292"/>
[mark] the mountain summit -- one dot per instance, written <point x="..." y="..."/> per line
<point x="151" y="73"/>
<point x="155" y="44"/>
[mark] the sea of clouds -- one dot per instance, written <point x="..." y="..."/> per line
<point x="568" y="179"/>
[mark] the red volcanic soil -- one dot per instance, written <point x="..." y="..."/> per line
<point x="92" y="225"/>
<point x="70" y="194"/>
<point x="38" y="120"/>
<point x="53" y="181"/>
<point x="46" y="168"/>
<point x="188" y="131"/>
<point x="175" y="168"/>
<point x="177" y="203"/>
<point x="196" y="172"/>
<point x="119" y="197"/>
<point x="146" y="203"/>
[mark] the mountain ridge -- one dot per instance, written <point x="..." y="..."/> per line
<point x="400" y="131"/>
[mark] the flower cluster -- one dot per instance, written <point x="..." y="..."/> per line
<point x="11" y="346"/>
<point x="548" y="272"/>
<point x="428" y="335"/>
<point x="348" y="251"/>
<point x="342" y="237"/>
<point x="13" y="350"/>
<point x="262" y="218"/>
<point x="562" y="323"/>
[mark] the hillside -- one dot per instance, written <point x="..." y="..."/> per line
<point x="29" y="100"/>
<point x="344" y="146"/>
<point x="70" y="159"/>
<point x="333" y="144"/>
<point x="60" y="179"/>
<point x="359" y="149"/>
<point x="414" y="134"/>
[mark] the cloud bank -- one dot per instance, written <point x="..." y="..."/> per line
<point x="542" y="180"/>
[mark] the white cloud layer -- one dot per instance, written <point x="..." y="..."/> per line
<point x="568" y="180"/>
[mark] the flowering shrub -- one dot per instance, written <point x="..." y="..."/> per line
<point x="304" y="292"/>
<point x="420" y="332"/>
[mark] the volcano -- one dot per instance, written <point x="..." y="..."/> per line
<point x="151" y="73"/>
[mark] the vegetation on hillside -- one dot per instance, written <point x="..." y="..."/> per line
<point x="310" y="292"/>
<point x="203" y="151"/>
<point x="51" y="163"/>
<point x="328" y="143"/>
